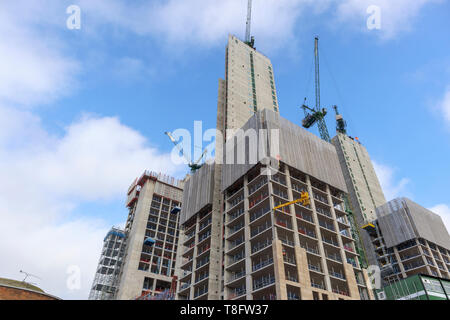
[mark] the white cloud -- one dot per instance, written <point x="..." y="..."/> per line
<point x="198" y="22"/>
<point x="391" y="185"/>
<point x="45" y="177"/>
<point x="396" y="15"/>
<point x="444" y="211"/>
<point x="274" y="22"/>
<point x="128" y="70"/>
<point x="32" y="70"/>
<point x="444" y="106"/>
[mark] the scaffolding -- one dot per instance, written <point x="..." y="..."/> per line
<point x="106" y="278"/>
<point x="355" y="233"/>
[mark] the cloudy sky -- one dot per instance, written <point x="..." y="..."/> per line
<point x="83" y="111"/>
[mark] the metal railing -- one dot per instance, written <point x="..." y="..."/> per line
<point x="263" y="282"/>
<point x="289" y="259"/>
<point x="257" y="186"/>
<point x="236" y="258"/>
<point x="314" y="267"/>
<point x="330" y="241"/>
<point x="333" y="256"/>
<point x="260" y="229"/>
<point x="259" y="213"/>
<point x="278" y="179"/>
<point x="237" y="275"/>
<point x="261" y="245"/>
<point x="307" y="232"/>
<point x="236" y="243"/>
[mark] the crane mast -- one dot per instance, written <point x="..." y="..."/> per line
<point x="317" y="72"/>
<point x="318" y="114"/>
<point x="248" y="38"/>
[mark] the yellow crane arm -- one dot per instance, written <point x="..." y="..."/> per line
<point x="304" y="199"/>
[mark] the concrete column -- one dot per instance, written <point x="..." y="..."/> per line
<point x="432" y="257"/>
<point x="248" y="247"/>
<point x="272" y="205"/>
<point x="366" y="281"/>
<point x="443" y="261"/>
<point x="336" y="226"/>
<point x="300" y="253"/>
<point x="302" y="267"/>
<point x="215" y="254"/>
<point x="348" y="268"/>
<point x="280" y="282"/>
<point x="180" y="249"/>
<point x="194" y="255"/>
<point x="351" y="281"/>
<point x="306" y="293"/>
<point x="400" y="263"/>
<point x="292" y="207"/>
<point x="319" y="235"/>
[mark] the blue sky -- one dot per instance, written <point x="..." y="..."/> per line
<point x="83" y="112"/>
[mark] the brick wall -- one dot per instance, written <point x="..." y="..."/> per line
<point x="12" y="293"/>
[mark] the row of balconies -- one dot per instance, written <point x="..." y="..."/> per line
<point x="255" y="187"/>
<point x="235" y="214"/>
<point x="263" y="281"/>
<point x="279" y="178"/>
<point x="260" y="229"/>
<point x="257" y="199"/>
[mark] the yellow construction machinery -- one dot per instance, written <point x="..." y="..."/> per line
<point x="304" y="199"/>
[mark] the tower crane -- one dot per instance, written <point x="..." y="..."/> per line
<point x="248" y="38"/>
<point x="341" y="125"/>
<point x="193" y="165"/>
<point x="317" y="114"/>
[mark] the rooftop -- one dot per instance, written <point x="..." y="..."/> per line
<point x="19" y="284"/>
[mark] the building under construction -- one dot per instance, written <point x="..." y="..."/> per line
<point x="105" y="284"/>
<point x="297" y="251"/>
<point x="409" y="240"/>
<point x="248" y="87"/>
<point x="250" y="250"/>
<point x="364" y="189"/>
<point x="152" y="231"/>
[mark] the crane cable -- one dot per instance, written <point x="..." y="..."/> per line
<point x="347" y="112"/>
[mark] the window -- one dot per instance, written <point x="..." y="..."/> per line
<point x="324" y="296"/>
<point x="315" y="296"/>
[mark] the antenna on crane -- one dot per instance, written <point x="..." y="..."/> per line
<point x="248" y="38"/>
<point x="193" y="165"/>
<point x="317" y="114"/>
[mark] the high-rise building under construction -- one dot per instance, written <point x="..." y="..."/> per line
<point x="151" y="230"/>
<point x="409" y="239"/>
<point x="248" y="87"/>
<point x="233" y="244"/>
<point x="364" y="189"/>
